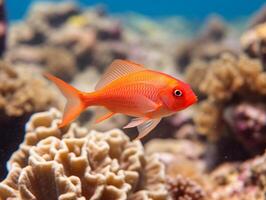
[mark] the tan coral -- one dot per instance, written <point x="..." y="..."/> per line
<point x="196" y="72"/>
<point x="71" y="163"/>
<point x="56" y="60"/>
<point x="80" y="41"/>
<point x="180" y="146"/>
<point x="252" y="37"/>
<point x="253" y="42"/>
<point x="180" y="158"/>
<point x="45" y="16"/>
<point x="260" y="83"/>
<point x="21" y="90"/>
<point x="206" y="118"/>
<point x="228" y="77"/>
<point x="223" y="79"/>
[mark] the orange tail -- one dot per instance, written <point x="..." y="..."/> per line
<point x="75" y="100"/>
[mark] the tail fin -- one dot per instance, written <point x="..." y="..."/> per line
<point x="74" y="105"/>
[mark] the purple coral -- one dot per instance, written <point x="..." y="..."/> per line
<point x="182" y="188"/>
<point x="249" y="125"/>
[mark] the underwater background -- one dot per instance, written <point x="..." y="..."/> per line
<point x="213" y="150"/>
<point x="193" y="9"/>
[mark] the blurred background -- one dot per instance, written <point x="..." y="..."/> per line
<point x="214" y="149"/>
<point x="193" y="10"/>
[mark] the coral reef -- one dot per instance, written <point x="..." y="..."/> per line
<point x="185" y="189"/>
<point x="240" y="181"/>
<point x="89" y="37"/>
<point x="56" y="60"/>
<point x="195" y="74"/>
<point x="249" y="124"/>
<point x="254" y="42"/>
<point x="227" y="82"/>
<point x="73" y="163"/>
<point x="20" y="92"/>
<point x="207" y="46"/>
<point x="73" y="37"/>
<point x="212" y="151"/>
<point x="179" y="158"/>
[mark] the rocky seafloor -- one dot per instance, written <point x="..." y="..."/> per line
<point x="213" y="151"/>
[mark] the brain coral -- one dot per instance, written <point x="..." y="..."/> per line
<point x="72" y="163"/>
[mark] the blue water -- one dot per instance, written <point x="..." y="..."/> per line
<point x="191" y="9"/>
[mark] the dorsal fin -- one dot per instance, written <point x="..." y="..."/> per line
<point x="117" y="69"/>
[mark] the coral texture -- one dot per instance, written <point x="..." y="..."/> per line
<point x="241" y="181"/>
<point x="228" y="80"/>
<point x="249" y="124"/>
<point x="254" y="42"/>
<point x="72" y="163"/>
<point x="20" y="91"/>
<point x="185" y="189"/>
<point x="208" y="45"/>
<point x="179" y="158"/>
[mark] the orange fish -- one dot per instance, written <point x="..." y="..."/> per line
<point x="133" y="90"/>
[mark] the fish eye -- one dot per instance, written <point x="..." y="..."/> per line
<point x="178" y="93"/>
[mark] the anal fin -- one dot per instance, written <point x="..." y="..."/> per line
<point x="104" y="117"/>
<point x="135" y="122"/>
<point x="147" y="127"/>
<point x="144" y="125"/>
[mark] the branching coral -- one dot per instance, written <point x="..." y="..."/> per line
<point x="71" y="163"/>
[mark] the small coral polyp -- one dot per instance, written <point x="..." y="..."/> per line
<point x="73" y="163"/>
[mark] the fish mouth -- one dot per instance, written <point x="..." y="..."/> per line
<point x="191" y="99"/>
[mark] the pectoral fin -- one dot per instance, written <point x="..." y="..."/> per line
<point x="146" y="105"/>
<point x="147" y="127"/>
